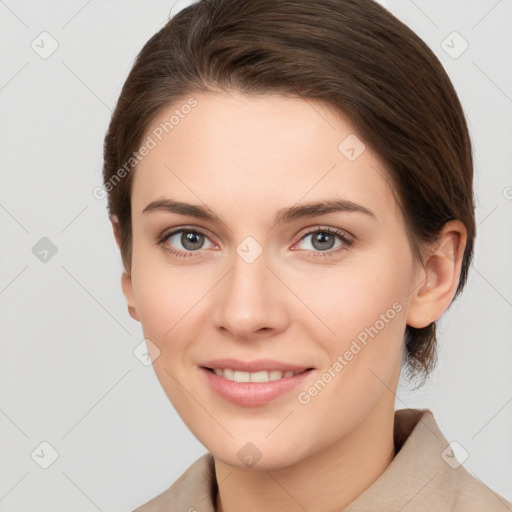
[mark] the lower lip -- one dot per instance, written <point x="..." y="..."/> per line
<point x="252" y="393"/>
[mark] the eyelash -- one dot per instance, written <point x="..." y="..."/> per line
<point x="347" y="242"/>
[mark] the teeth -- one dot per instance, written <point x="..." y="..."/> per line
<point x="262" y="376"/>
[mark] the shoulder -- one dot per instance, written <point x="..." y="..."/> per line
<point x="472" y="495"/>
<point x="425" y="475"/>
<point x="452" y="487"/>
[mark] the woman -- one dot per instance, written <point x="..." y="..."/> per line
<point x="290" y="187"/>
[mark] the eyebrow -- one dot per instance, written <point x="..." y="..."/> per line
<point x="288" y="214"/>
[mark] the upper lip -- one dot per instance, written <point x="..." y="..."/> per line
<point x="253" y="366"/>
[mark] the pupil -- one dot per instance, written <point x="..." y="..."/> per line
<point x="190" y="240"/>
<point x="322" y="239"/>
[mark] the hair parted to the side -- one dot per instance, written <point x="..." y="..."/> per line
<point x="353" y="55"/>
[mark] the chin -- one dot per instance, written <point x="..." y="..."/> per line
<point x="263" y="456"/>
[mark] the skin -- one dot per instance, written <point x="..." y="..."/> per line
<point x="246" y="158"/>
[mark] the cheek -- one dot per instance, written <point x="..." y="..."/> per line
<point x="169" y="300"/>
<point x="364" y="305"/>
<point x="165" y="306"/>
<point x="159" y="294"/>
<point x="162" y="305"/>
<point x="356" y="295"/>
<point x="373" y="320"/>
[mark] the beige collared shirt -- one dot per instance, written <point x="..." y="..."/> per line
<point x="424" y="476"/>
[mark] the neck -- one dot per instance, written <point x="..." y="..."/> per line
<point x="327" y="480"/>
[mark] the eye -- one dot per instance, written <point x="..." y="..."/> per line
<point x="323" y="240"/>
<point x="184" y="242"/>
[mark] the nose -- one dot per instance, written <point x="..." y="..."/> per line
<point x="250" y="300"/>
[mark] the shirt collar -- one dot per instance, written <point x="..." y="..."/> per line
<point x="423" y="476"/>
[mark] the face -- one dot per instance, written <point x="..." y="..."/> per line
<point x="257" y="272"/>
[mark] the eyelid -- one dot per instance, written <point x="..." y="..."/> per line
<point x="171" y="231"/>
<point x="329" y="229"/>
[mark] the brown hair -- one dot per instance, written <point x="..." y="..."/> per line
<point x="352" y="54"/>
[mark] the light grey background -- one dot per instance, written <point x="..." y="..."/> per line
<point x="68" y="373"/>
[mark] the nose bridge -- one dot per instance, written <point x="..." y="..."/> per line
<point x="248" y="300"/>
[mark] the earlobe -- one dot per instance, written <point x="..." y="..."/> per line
<point x="126" y="279"/>
<point x="439" y="276"/>
<point x="127" y="286"/>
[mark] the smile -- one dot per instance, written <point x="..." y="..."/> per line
<point x="251" y="389"/>
<point x="260" y="376"/>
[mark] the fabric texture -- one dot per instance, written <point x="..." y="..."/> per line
<point x="424" y="476"/>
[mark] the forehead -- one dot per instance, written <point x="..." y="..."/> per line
<point x="255" y="151"/>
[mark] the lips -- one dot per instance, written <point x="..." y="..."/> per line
<point x="253" y="394"/>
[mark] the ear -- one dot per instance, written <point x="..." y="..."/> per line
<point x="438" y="276"/>
<point x="116" y="228"/>
<point x="126" y="279"/>
<point x="127" y="286"/>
